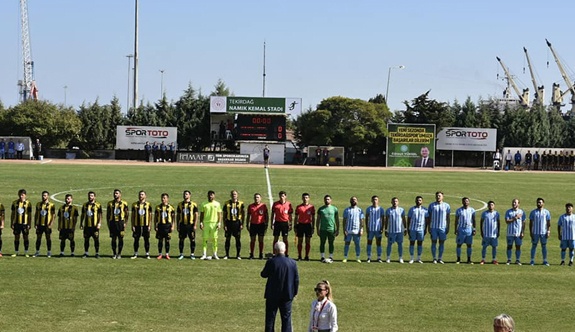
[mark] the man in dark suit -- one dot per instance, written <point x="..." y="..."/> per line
<point x="424" y="161"/>
<point x="281" y="288"/>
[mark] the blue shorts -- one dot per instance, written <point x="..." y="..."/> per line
<point x="374" y="234"/>
<point x="514" y="240"/>
<point x="539" y="237"/>
<point x="490" y="241"/>
<point x="463" y="237"/>
<point x="355" y="237"/>
<point x="437" y="233"/>
<point x="395" y="237"/>
<point x="567" y="244"/>
<point x="416" y="236"/>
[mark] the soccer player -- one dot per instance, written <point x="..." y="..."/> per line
<point x="439" y="220"/>
<point x="304" y="224"/>
<point x="2" y="214"/>
<point x="91" y="222"/>
<point x="282" y="218"/>
<point x="266" y="156"/>
<point x="417" y="219"/>
<point x="43" y="219"/>
<point x="464" y="229"/>
<point x="20" y="221"/>
<point x="141" y="221"/>
<point x="395" y="228"/>
<point x="67" y="219"/>
<point x="566" y="233"/>
<point x="353" y="219"/>
<point x="187" y="216"/>
<point x="327" y="227"/>
<point x="374" y="215"/>
<point x="164" y="219"/>
<point x="490" y="226"/>
<point x="539" y="229"/>
<point x="515" y="219"/>
<point x="117" y="214"/>
<point x="234" y="213"/>
<point x="257" y="224"/>
<point x="210" y="223"/>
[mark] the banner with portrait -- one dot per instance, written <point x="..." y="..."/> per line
<point x="410" y="145"/>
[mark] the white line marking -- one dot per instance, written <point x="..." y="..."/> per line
<point x="270" y="197"/>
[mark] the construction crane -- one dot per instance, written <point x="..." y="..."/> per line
<point x="27" y="85"/>
<point x="570" y="87"/>
<point x="539" y="90"/>
<point x="523" y="97"/>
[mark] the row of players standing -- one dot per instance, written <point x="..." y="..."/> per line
<point x="392" y="222"/>
<point x="557" y="161"/>
<point x="160" y="152"/>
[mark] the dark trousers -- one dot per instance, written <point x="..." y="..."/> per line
<point x="272" y="306"/>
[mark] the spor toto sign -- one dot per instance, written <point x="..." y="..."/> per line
<point x="135" y="137"/>
<point x="467" y="139"/>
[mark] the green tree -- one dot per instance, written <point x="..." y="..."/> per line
<point x="557" y="128"/>
<point x="425" y="110"/>
<point x="193" y="120"/>
<point x="352" y="123"/>
<point x="54" y="124"/>
<point x="538" y="127"/>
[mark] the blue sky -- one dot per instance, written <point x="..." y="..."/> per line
<point x="315" y="49"/>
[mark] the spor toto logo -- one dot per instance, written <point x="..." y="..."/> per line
<point x="140" y="132"/>
<point x="479" y="135"/>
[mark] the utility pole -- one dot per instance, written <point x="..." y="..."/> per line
<point x="135" y="101"/>
<point x="129" y="56"/>
<point x="264" y="76"/>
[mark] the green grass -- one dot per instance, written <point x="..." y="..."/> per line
<point x="74" y="294"/>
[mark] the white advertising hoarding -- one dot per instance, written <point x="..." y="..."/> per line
<point x="467" y="139"/>
<point x="135" y="137"/>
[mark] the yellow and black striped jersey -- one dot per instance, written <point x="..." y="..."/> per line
<point x="234" y="211"/>
<point x="164" y="214"/>
<point x="45" y="213"/>
<point x="141" y="212"/>
<point x="117" y="211"/>
<point x="67" y="216"/>
<point x="187" y="211"/>
<point x="91" y="214"/>
<point x="21" y="212"/>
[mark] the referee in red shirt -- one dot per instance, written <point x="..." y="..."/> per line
<point x="282" y="218"/>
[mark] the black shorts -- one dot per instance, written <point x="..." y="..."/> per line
<point x="233" y="228"/>
<point x="304" y="230"/>
<point x="141" y="231"/>
<point x="187" y="230"/>
<point x="258" y="229"/>
<point x="91" y="232"/>
<point x="66" y="234"/>
<point x="43" y="229"/>
<point x="164" y="231"/>
<point x="117" y="228"/>
<point x="281" y="228"/>
<point x="23" y="229"/>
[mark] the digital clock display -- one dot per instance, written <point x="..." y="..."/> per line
<point x="251" y="127"/>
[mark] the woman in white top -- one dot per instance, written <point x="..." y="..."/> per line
<point x="323" y="316"/>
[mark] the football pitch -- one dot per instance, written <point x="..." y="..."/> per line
<point x="75" y="294"/>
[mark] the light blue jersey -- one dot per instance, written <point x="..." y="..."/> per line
<point x="465" y="217"/>
<point x="438" y="213"/>
<point x="490" y="224"/>
<point x="417" y="216"/>
<point x="567" y="224"/>
<point x="395" y="219"/>
<point x="374" y="216"/>
<point x="515" y="228"/>
<point x="353" y="216"/>
<point x="539" y="219"/>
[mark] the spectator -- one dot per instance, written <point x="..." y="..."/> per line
<point x="508" y="158"/>
<point x="517" y="160"/>
<point x="536" y="158"/>
<point x="528" y="160"/>
<point x="19" y="149"/>
<point x="503" y="323"/>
